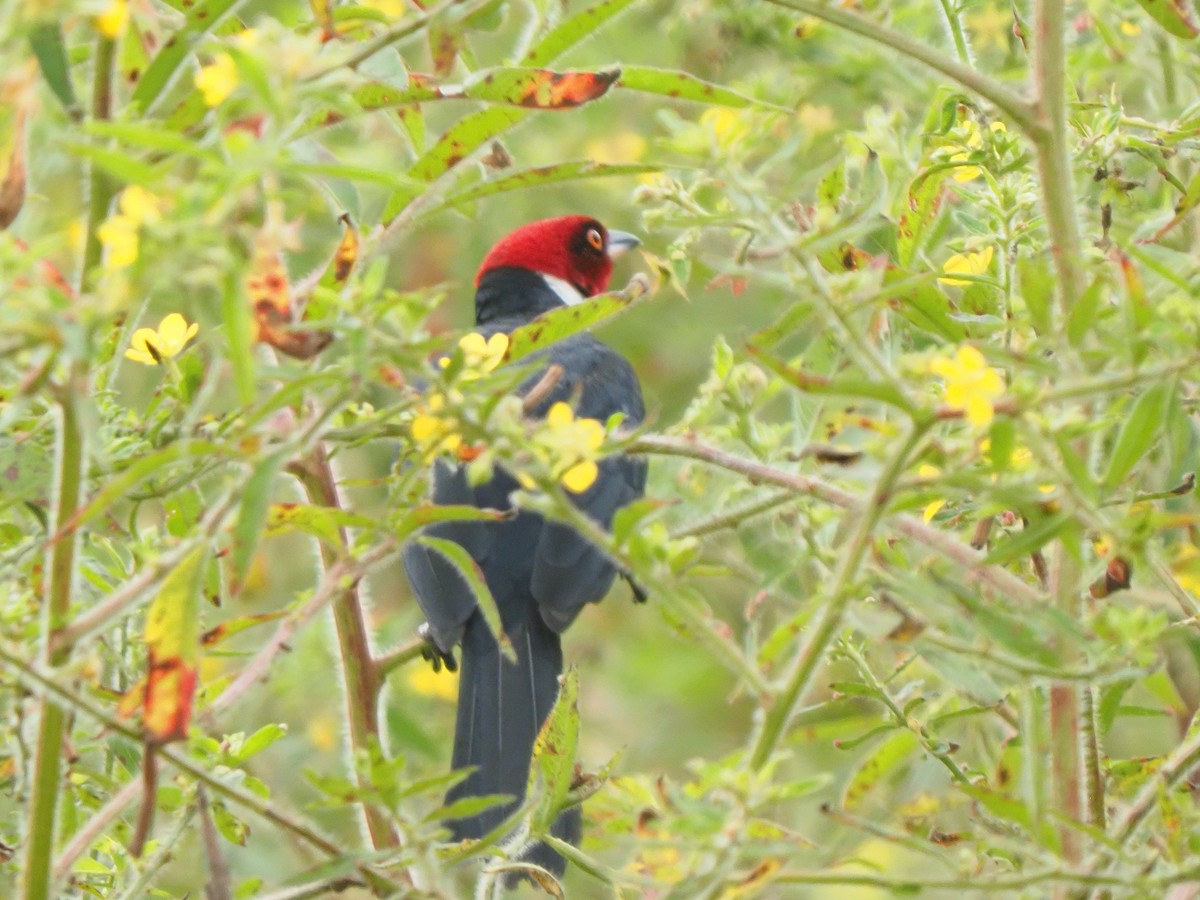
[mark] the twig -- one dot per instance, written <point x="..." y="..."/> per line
<point x="389" y="662"/>
<point x="1019" y="110"/>
<point x="95" y="825"/>
<point x="219" y="886"/>
<point x="540" y="391"/>
<point x="946" y="545"/>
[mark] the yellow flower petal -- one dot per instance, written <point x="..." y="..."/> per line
<point x="931" y="509"/>
<point x="443" y="684"/>
<point x="113" y="21"/>
<point x="964" y="172"/>
<point x="591" y="432"/>
<point x="139" y="205"/>
<point x="560" y="415"/>
<point x="424" y="427"/>
<point x="119" y="235"/>
<point x="497" y="344"/>
<point x="925" y="470"/>
<point x="217" y="80"/>
<point x="580" y="476"/>
<point x="472" y="344"/>
<point x="979" y="410"/>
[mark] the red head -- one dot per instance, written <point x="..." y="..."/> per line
<point x="576" y="249"/>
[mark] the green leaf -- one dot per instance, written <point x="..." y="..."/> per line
<point x="252" y="517"/>
<point x="322" y="522"/>
<point x="1177" y="17"/>
<point x="428" y="514"/>
<point x="1027" y="540"/>
<point x="573" y="30"/>
<point x="125" y="168"/>
<point x="542" y="175"/>
<point x="469" y="806"/>
<point x="565" y="321"/>
<point x="892" y="753"/>
<point x="260" y="741"/>
<point x="1138" y="433"/>
<point x="46" y="41"/>
<point x="921" y="206"/>
<point x="150" y="137"/>
<point x="924" y="306"/>
<point x="473" y="576"/>
<point x="1084" y="312"/>
<point x="201" y="19"/>
<point x="554" y="753"/>
<point x="237" y="317"/>
<point x="843" y="386"/>
<point x="683" y="86"/>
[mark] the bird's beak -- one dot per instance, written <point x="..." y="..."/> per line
<point x="619" y="242"/>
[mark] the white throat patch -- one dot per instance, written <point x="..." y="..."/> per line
<point x="567" y="292"/>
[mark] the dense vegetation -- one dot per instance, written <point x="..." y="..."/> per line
<point x="920" y="337"/>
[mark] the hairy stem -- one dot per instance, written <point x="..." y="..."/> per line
<point x="358" y="668"/>
<point x="829" y="620"/>
<point x="1012" y="105"/>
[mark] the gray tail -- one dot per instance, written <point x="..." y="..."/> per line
<point x="501" y="708"/>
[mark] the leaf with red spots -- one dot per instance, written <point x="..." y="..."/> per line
<point x="565" y="321"/>
<point x="228" y="629"/>
<point x="554" y="753"/>
<point x="682" y="86"/>
<point x="1177" y="17"/>
<point x="272" y="300"/>
<point x="173" y="643"/>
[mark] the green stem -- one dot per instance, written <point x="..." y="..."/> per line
<point x="100" y="186"/>
<point x="55" y="609"/>
<point x="956" y="32"/>
<point x="1052" y="150"/>
<point x="1094" y="775"/>
<point x="829" y="620"/>
<point x="1012" y="105"/>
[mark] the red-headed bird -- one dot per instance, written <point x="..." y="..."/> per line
<point x="541" y="573"/>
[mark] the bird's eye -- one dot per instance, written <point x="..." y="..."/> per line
<point x="595" y="239"/>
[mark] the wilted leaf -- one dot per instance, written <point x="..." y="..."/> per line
<point x="173" y="642"/>
<point x="891" y="754"/>
<point x="921" y="205"/>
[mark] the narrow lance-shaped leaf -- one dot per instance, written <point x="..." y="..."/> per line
<point x="1138" y="433"/>
<point x="46" y="41"/>
<point x="252" y="518"/>
<point x="1177" y="17"/>
<point x="472" y="132"/>
<point x="201" y="19"/>
<point x="891" y="754"/>
<point x="554" y="752"/>
<point x="173" y="642"/>
<point x="473" y="576"/>
<point x="565" y="321"/>
<point x="683" y="86"/>
<point x="542" y="175"/>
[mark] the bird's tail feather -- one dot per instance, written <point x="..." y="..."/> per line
<point x="501" y="708"/>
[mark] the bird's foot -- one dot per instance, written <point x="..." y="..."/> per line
<point x="435" y="655"/>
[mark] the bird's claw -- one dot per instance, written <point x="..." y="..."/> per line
<point x="432" y="653"/>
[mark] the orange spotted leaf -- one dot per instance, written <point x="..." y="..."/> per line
<point x="173" y="641"/>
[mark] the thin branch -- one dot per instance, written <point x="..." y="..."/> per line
<point x="97" y="823"/>
<point x="1020" y="111"/>
<point x="219" y="886"/>
<point x="944" y="544"/>
<point x="829" y="619"/>
<point x="37" y="681"/>
<point x="1175" y="766"/>
<point x="389" y="662"/>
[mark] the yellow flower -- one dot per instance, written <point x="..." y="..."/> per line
<point x="623" y="147"/>
<point x="217" y="80"/>
<point x="479" y="356"/>
<point x="434" y="430"/>
<point x="964" y="172"/>
<point x="992" y="26"/>
<point x="139" y="205"/>
<point x="119" y="235"/>
<point x="393" y="9"/>
<point x="425" y="681"/>
<point x="114" y="20"/>
<point x="966" y="264"/>
<point x="727" y="125"/>
<point x="149" y="346"/>
<point x="572" y="444"/>
<point x="1130" y="29"/>
<point x="971" y="384"/>
<point x="926" y="472"/>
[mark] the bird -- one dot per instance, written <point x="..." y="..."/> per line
<point x="540" y="572"/>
